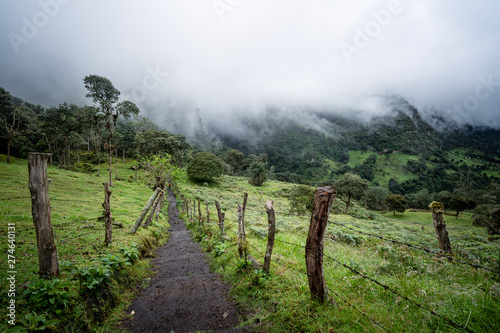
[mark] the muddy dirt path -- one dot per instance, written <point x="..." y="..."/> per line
<point x="183" y="295"/>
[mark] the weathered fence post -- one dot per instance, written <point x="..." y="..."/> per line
<point x="108" y="222"/>
<point x="221" y="223"/>
<point x="270" y="234"/>
<point x="193" y="210"/>
<point x="437" y="210"/>
<point x="242" y="246"/>
<point x="241" y="232"/>
<point x="153" y="211"/>
<point x="199" y="211"/>
<point x="40" y="208"/>
<point x="221" y="215"/>
<point x="323" y="200"/>
<point x="145" y="210"/>
<point x="208" y="212"/>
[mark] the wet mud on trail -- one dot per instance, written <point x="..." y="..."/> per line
<point x="183" y="295"/>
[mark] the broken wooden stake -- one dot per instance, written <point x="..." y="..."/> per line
<point x="270" y="234"/>
<point x="108" y="222"/>
<point x="323" y="200"/>
<point x="145" y="211"/>
<point x="437" y="210"/>
<point x="40" y="209"/>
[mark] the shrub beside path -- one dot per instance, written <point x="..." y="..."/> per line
<point x="183" y="295"/>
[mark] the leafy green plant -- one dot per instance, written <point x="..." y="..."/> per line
<point x="220" y="248"/>
<point x="51" y="296"/>
<point x="131" y="253"/>
<point x="34" y="323"/>
<point x="259" y="278"/>
<point x="91" y="278"/>
<point x="114" y="262"/>
<point x="242" y="265"/>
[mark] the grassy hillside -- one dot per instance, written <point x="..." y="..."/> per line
<point x="280" y="302"/>
<point x="76" y="200"/>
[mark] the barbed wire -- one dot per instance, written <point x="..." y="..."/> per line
<point x="355" y="271"/>
<point x="330" y="290"/>
<point x="14" y="198"/>
<point x="415" y="247"/>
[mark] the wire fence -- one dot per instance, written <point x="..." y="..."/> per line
<point x="427" y="251"/>
<point x="364" y="276"/>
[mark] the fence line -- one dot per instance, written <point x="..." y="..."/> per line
<point x="451" y="322"/>
<point x="415" y="247"/>
<point x="14" y="198"/>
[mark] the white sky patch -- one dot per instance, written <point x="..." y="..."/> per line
<point x="262" y="53"/>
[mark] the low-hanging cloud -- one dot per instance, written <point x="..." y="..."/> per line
<point x="234" y="57"/>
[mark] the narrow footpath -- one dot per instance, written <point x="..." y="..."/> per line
<point x="183" y="295"/>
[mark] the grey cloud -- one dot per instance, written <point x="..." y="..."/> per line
<point x="285" y="54"/>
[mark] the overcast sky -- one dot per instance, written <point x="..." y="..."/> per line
<point x="237" y="56"/>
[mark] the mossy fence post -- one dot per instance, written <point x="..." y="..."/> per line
<point x="437" y="210"/>
<point x="208" y="212"/>
<point x="108" y="221"/>
<point x="40" y="208"/>
<point x="323" y="200"/>
<point x="145" y="211"/>
<point x="242" y="246"/>
<point x="270" y="234"/>
<point x="221" y="215"/>
<point x="155" y="210"/>
<point x="199" y="211"/>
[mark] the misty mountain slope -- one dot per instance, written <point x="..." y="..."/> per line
<point x="401" y="145"/>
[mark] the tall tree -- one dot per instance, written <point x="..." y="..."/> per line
<point x="11" y="119"/>
<point x="60" y="127"/>
<point x="396" y="203"/>
<point x="350" y="186"/>
<point x="103" y="93"/>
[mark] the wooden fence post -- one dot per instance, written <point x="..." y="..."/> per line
<point x="40" y="208"/>
<point x="193" y="210"/>
<point x="208" y="212"/>
<point x="221" y="223"/>
<point x="437" y="210"/>
<point x="153" y="211"/>
<point x="270" y="234"/>
<point x="323" y="200"/>
<point x="145" y="210"/>
<point x="221" y="215"/>
<point x="108" y="222"/>
<point x="199" y="211"/>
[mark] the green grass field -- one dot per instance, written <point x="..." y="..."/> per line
<point x="470" y="297"/>
<point x="280" y="301"/>
<point x="76" y="200"/>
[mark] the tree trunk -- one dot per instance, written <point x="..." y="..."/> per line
<point x="323" y="200"/>
<point x="40" y="208"/>
<point x="110" y="162"/>
<point x="108" y="226"/>
<point x="136" y="167"/>
<point x="348" y="202"/>
<point x="270" y="234"/>
<point x="437" y="209"/>
<point x="99" y="165"/>
<point x="123" y="157"/>
<point x="9" y="144"/>
<point x="145" y="211"/>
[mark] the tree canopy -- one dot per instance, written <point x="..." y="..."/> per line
<point x="350" y="186"/>
<point x="204" y="167"/>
